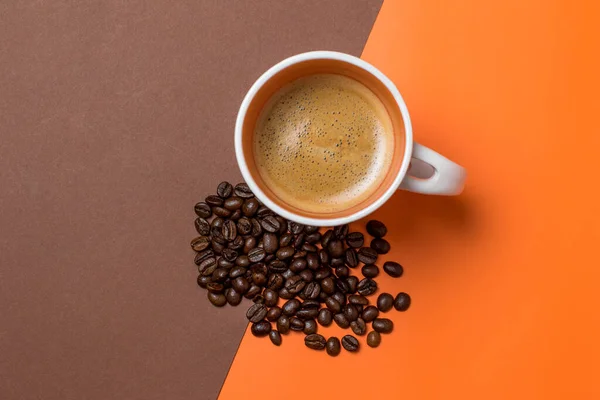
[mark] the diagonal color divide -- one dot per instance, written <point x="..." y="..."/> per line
<point x="503" y="278"/>
<point x="115" y="118"/>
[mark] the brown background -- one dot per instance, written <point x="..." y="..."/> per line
<point x="115" y="118"/>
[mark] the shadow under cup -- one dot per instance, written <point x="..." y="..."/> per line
<point x="312" y="67"/>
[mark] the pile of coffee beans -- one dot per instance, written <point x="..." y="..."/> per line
<point x="246" y="250"/>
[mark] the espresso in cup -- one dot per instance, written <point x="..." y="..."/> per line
<point x="324" y="143"/>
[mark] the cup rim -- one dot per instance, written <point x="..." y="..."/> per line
<point x="317" y="55"/>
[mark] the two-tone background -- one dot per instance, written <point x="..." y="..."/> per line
<point x="117" y="116"/>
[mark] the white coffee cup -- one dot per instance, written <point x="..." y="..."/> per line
<point x="448" y="177"/>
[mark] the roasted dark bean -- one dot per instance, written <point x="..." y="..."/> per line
<point x="250" y="207"/>
<point x="233" y="297"/>
<point x="310" y="229"/>
<point x="312" y="261"/>
<point x="383" y="325"/>
<point x="214" y="201"/>
<point x="333" y="346"/>
<point x="270" y="224"/>
<point x="333" y="305"/>
<point x="286" y="240"/>
<point x="242" y="190"/>
<point x="271" y="297"/>
<point x="220" y="274"/>
<point x="202" y="226"/>
<point x="285" y="252"/>
<point x="237" y="243"/>
<point x="355" y="240"/>
<point x="315" y="341"/>
<point x="263" y="211"/>
<point x="224" y="189"/>
<point x="310" y="327"/>
<point x="260" y="268"/>
<point x="325" y="317"/>
<point x="370" y="271"/>
<point x="341" y="320"/>
<point x="335" y="248"/>
<point x="259" y="279"/>
<point x="244" y="226"/>
<point x="370" y="313"/>
<point x="242" y="261"/>
<point x="203" y="281"/>
<point x="339" y="297"/>
<point x="299" y="241"/>
<point x="373" y="339"/>
<point x="358" y="327"/>
<point x="350" y="343"/>
<point x="367" y="287"/>
<point x="236" y="271"/>
<point x="385" y="302"/>
<point x="402" y="301"/>
<point x="256" y="255"/>
<point x="307" y="275"/>
<point x="352" y="282"/>
<point x="217" y="299"/>
<point x="337" y="262"/>
<point x="322" y="273"/>
<point x="350" y="312"/>
<point x="342" y="272"/>
<point x="217" y="222"/>
<point x="295" y="284"/>
<point x="261" y="328"/>
<point x="215" y="287"/>
<point x="200" y="243"/>
<point x="312" y="290"/>
<point x="381" y="246"/>
<point x="313" y="238"/>
<point x="351" y="258"/>
<point x="270" y="242"/>
<point x="326" y="238"/>
<point x="275" y="281"/>
<point x="342" y="286"/>
<point x="275" y="338"/>
<point x="277" y="266"/>
<point x="207" y="266"/>
<point x="309" y="248"/>
<point x="249" y="244"/>
<point x="357" y="299"/>
<point x="217" y="247"/>
<point x="203" y="210"/>
<point x="367" y="255"/>
<point x="376" y="228"/>
<point x="341" y="231"/>
<point x="274" y="313"/>
<point x="252" y="291"/>
<point x="296" y="324"/>
<point x="240" y="285"/>
<point x="256" y="228"/>
<point x="229" y="255"/>
<point x="283" y="324"/>
<point x="233" y="203"/>
<point x="393" y="269"/>
<point x="256" y="312"/>
<point x="299" y="264"/>
<point x="221" y="212"/>
<point x="307" y="313"/>
<point x="324" y="257"/>
<point x="229" y="230"/>
<point x="290" y="307"/>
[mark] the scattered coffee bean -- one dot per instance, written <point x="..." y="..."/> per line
<point x="313" y="238"/>
<point x="256" y="255"/>
<point x="224" y="190"/>
<point x="214" y="201"/>
<point x="242" y="190"/>
<point x="274" y="313"/>
<point x="351" y="258"/>
<point x="233" y="203"/>
<point x="217" y="222"/>
<point x="393" y="269"/>
<point x="242" y="261"/>
<point x="307" y="275"/>
<point x="359" y="327"/>
<point x="256" y="228"/>
<point x="333" y="346"/>
<point x="296" y="324"/>
<point x="352" y="282"/>
<point x="335" y="248"/>
<point x="271" y="297"/>
<point x="357" y="299"/>
<point x="217" y="299"/>
<point x="376" y="228"/>
<point x="310" y="327"/>
<point x="370" y="271"/>
<point x="203" y="281"/>
<point x="326" y="238"/>
<point x="341" y="320"/>
<point x="325" y="317"/>
<point x="202" y="226"/>
<point x="240" y="285"/>
<point x="333" y="305"/>
<point x="350" y="343"/>
<point x="402" y="301"/>
<point x="370" y="313"/>
<point x="283" y="324"/>
<point x="381" y="246"/>
<point x="342" y="272"/>
<point x="220" y="274"/>
<point x="355" y="240"/>
<point x="367" y="255"/>
<point x="261" y="328"/>
<point x="295" y="284"/>
<point x="200" y="243"/>
<point x="383" y="325"/>
<point x="221" y="212"/>
<point x="275" y="338"/>
<point x="215" y="287"/>
<point x="315" y="341"/>
<point x="250" y="207"/>
<point x="373" y="339"/>
<point x="350" y="312"/>
<point x="253" y="291"/>
<point x="203" y="210"/>
<point x="285" y="252"/>
<point x="290" y="307"/>
<point x="385" y="302"/>
<point x="233" y="297"/>
<point x="229" y="230"/>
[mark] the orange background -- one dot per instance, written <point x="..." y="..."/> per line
<point x="504" y="278"/>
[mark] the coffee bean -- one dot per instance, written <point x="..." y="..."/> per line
<point x="307" y="275"/>
<point x="299" y="254"/>
<point x="215" y="287"/>
<point x="350" y="312"/>
<point x="351" y="258"/>
<point x="309" y="248"/>
<point x="236" y="271"/>
<point x="202" y="226"/>
<point x="373" y="339"/>
<point x="285" y="252"/>
<point x="315" y="341"/>
<point x="275" y="281"/>
<point x="357" y="299"/>
<point x="367" y="255"/>
<point x="200" y="243"/>
<point x="299" y="264"/>
<point x="340" y="298"/>
<point x="261" y="328"/>
<point x="342" y="272"/>
<point x="256" y="312"/>
<point x="326" y="238"/>
<point x="341" y="231"/>
<point x="282" y="224"/>
<point x="337" y="262"/>
<point x="217" y="299"/>
<point x="202" y="210"/>
<point x="381" y="246"/>
<point x="355" y="240"/>
<point x="214" y="201"/>
<point x="290" y="307"/>
<point x="283" y="324"/>
<point x="402" y="301"/>
<point x="296" y="324"/>
<point x="259" y="279"/>
<point x="217" y="222"/>
<point x="370" y="313"/>
<point x="335" y="248"/>
<point x="312" y="261"/>
<point x="256" y="228"/>
<point x="350" y="343"/>
<point x="233" y="203"/>
<point x="229" y="230"/>
<point x="274" y="313"/>
<point x="393" y="269"/>
<point x="287" y="274"/>
<point x="229" y="255"/>
<point x="352" y="282"/>
<point x="242" y="190"/>
<point x="244" y="226"/>
<point x="221" y="212"/>
<point x="271" y="297"/>
<point x="203" y="281"/>
<point x="385" y="302"/>
<point x="342" y="286"/>
<point x="240" y="285"/>
<point x="286" y="240"/>
<point x="233" y="297"/>
<point x="295" y="284"/>
<point x="252" y="291"/>
<point x="333" y="346"/>
<point x="325" y="317"/>
<point x="341" y="320"/>
<point x="322" y="273"/>
<point x="358" y="327"/>
<point x="310" y="327"/>
<point x="224" y="189"/>
<point x="312" y="290"/>
<point x="333" y="305"/>
<point x="376" y="228"/>
<point x="269" y="258"/>
<point x="256" y="255"/>
<point x="328" y="285"/>
<point x="242" y="261"/>
<point x="308" y="229"/>
<point x="220" y="274"/>
<point x="237" y="243"/>
<point x="370" y="271"/>
<point x="324" y="257"/>
<point x="263" y="211"/>
<point x="270" y="224"/>
<point x="259" y="268"/>
<point x="313" y="238"/>
<point x="275" y="338"/>
<point x="207" y="266"/>
<point x="383" y="325"/>
<point x="270" y="242"/>
<point x="217" y="247"/>
<point x="308" y="313"/>
<point x="249" y="244"/>
<point x="250" y="207"/>
<point x="367" y="287"/>
<point x="299" y="241"/>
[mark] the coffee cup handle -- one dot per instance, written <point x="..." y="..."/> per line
<point x="448" y="177"/>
